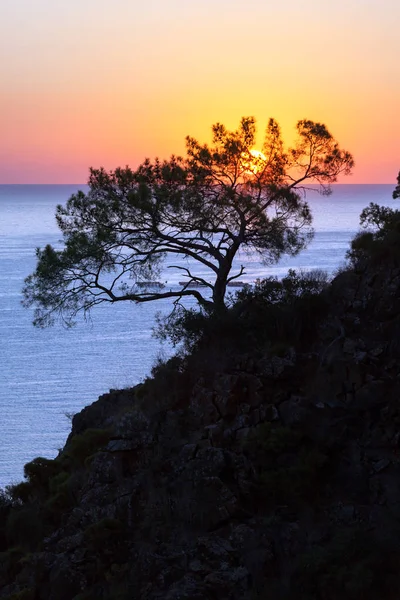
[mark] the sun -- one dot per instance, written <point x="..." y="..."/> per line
<point x="255" y="163"/>
<point x="258" y="154"/>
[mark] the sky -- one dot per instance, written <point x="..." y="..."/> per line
<point x="110" y="82"/>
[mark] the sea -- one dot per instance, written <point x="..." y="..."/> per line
<point x="47" y="375"/>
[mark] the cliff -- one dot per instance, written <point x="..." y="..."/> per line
<point x="250" y="469"/>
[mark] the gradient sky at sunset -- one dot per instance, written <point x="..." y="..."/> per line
<point x="109" y="82"/>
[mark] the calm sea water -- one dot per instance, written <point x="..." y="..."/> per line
<point x="46" y="374"/>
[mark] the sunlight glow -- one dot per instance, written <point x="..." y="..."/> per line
<point x="66" y="106"/>
<point x="254" y="164"/>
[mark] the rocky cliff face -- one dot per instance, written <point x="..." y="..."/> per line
<point x="241" y="475"/>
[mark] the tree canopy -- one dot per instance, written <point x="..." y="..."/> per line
<point x="379" y="240"/>
<point x="206" y="207"/>
<point x="396" y="191"/>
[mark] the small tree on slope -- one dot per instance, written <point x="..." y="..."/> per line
<point x="205" y="207"/>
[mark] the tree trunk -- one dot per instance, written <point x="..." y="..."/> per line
<point x="219" y="294"/>
<point x="220" y="285"/>
<point x="224" y="270"/>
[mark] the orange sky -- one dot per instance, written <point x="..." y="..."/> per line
<point x="100" y="82"/>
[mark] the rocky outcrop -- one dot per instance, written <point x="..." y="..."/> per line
<point x="276" y="476"/>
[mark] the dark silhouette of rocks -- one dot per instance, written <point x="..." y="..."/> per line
<point x="238" y="472"/>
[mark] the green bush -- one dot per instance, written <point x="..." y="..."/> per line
<point x="21" y="492"/>
<point x="380" y="242"/>
<point x="25" y="526"/>
<point x="40" y="470"/>
<point x="83" y="445"/>
<point x="61" y="496"/>
<point x="285" y="311"/>
<point x="58" y="481"/>
<point x="6" y="504"/>
<point x="5" y="499"/>
<point x="38" y="473"/>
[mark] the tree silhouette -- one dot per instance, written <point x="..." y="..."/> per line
<point x="396" y="191"/>
<point x="205" y="207"/>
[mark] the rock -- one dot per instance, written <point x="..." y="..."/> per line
<point x="197" y="567"/>
<point x="64" y="582"/>
<point x="204" y="443"/>
<point x="243" y="434"/>
<point x="188" y="452"/>
<point x="214" y="547"/>
<point x="218" y="503"/>
<point x="269" y="412"/>
<point x="227" y="406"/>
<point x="378" y="350"/>
<point x="229" y="579"/>
<point x="235" y="393"/>
<point x="237" y="476"/>
<point x="275" y="366"/>
<point x="254" y="417"/>
<point x="202" y="405"/>
<point x="345" y="513"/>
<point x="216" y="432"/>
<point x="292" y="413"/>
<point x="380" y="465"/>
<point x="349" y="346"/>
<point x="371" y="394"/>
<point x="256" y="549"/>
<point x="240" y="422"/>
<point x="360" y="356"/>
<point x="128" y="445"/>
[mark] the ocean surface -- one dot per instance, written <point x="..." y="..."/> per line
<point x="47" y="375"/>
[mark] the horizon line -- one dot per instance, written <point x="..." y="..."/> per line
<point x="81" y="183"/>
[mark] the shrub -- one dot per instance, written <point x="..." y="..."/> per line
<point x="6" y="504"/>
<point x="57" y="481"/>
<point x="40" y="470"/>
<point x="61" y="496"/>
<point x="38" y="473"/>
<point x="25" y="526"/>
<point x="83" y="445"/>
<point x="284" y="311"/>
<point x="5" y="499"/>
<point x="380" y="242"/>
<point x="21" y="492"/>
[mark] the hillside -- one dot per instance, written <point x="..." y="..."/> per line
<point x="265" y="464"/>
